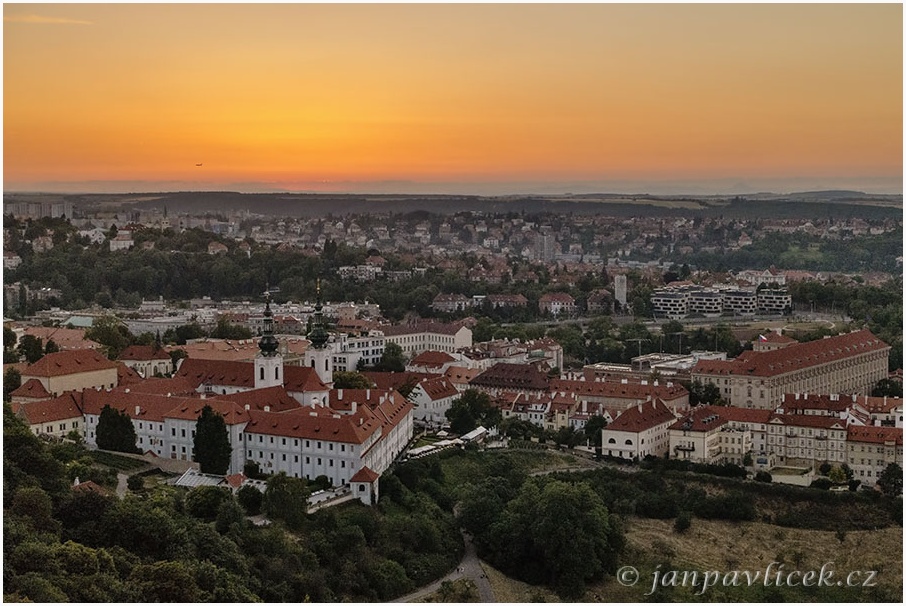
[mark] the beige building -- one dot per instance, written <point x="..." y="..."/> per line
<point x="871" y="449"/>
<point x="147" y="360"/>
<point x="55" y="417"/>
<point x="850" y="363"/>
<point x="706" y="436"/>
<point x="428" y="336"/>
<point x="72" y="370"/>
<point x="639" y="431"/>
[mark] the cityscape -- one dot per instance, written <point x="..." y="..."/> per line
<point x="398" y="303"/>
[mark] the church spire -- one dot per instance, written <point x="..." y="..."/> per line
<point x="268" y="343"/>
<point x="318" y="334"/>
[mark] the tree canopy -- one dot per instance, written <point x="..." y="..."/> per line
<point x="115" y="431"/>
<point x="212" y="443"/>
<point x="471" y="409"/>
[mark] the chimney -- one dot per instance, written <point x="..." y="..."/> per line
<point x="267" y="409"/>
<point x="138" y="410"/>
<point x="247" y="407"/>
<point x="367" y="394"/>
<point x="340" y="394"/>
<point x="640" y="406"/>
<point x="354" y="407"/>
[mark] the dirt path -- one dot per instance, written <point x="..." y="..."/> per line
<point x="469" y="568"/>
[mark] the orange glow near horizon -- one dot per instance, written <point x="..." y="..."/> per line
<point x="305" y="96"/>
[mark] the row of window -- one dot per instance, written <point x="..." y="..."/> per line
<point x="260" y="455"/>
<point x="318" y="444"/>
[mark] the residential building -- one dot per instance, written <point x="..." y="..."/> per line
<point x="869" y="450"/>
<point x="849" y="363"/>
<point x="55" y="417"/>
<point x="72" y="370"/>
<point x="147" y="360"/>
<point x="557" y="304"/>
<point x="414" y="338"/>
<point x="639" y="431"/>
<point x="432" y="399"/>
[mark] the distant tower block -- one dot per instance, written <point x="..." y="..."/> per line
<point x="619" y="287"/>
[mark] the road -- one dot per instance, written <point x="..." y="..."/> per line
<point x="469" y="568"/>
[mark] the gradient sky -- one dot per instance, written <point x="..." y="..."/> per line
<point x="452" y="97"/>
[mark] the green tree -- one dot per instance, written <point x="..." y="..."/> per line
<point x="393" y="359"/>
<point x="251" y="499"/>
<point x="286" y="499"/>
<point x="51" y="347"/>
<point x="891" y="480"/>
<point x="110" y="332"/>
<point x="31" y="348"/>
<point x="471" y="409"/>
<point x="558" y="533"/>
<point x="212" y="442"/>
<point x="115" y="431"/>
<point x="350" y="380"/>
<point x="12" y="380"/>
<point x="837" y="475"/>
<point x="176" y="355"/>
<point x="227" y="330"/>
<point x="683" y="522"/>
<point x="886" y="387"/>
<point x="10" y="355"/>
<point x="593" y="428"/>
<point x="203" y="502"/>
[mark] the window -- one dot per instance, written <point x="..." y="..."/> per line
<point x="319" y="445"/>
<point x="361" y="488"/>
<point x="261" y="374"/>
<point x="296" y="459"/>
<point x="331" y="445"/>
<point x="173" y="431"/>
<point x="343" y="464"/>
<point x="183" y="431"/>
<point x="319" y="461"/>
<point x="272" y="439"/>
<point x="307" y="460"/>
<point x="276" y="373"/>
<point x="284" y="457"/>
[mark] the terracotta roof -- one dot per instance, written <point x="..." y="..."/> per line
<point x="811" y="401"/>
<point x="395" y="380"/>
<point x="632" y="390"/>
<point x="144" y="353"/>
<point x="702" y="418"/>
<point x="439" y="388"/>
<point x="875" y="435"/>
<point x="235" y="480"/>
<point x="301" y="379"/>
<point x="138" y="406"/>
<point x="431" y="359"/>
<point x="276" y="398"/>
<point x="746" y="415"/>
<point x="876" y="404"/>
<point x="48" y="411"/>
<point x="176" y="386"/>
<point x="189" y="409"/>
<point x="420" y="327"/>
<point x="69" y="362"/>
<point x="364" y="475"/>
<point x="517" y="298"/>
<point x="316" y="424"/>
<point x="793" y="357"/>
<point x="65" y="338"/>
<point x="643" y="416"/>
<point x="126" y="375"/>
<point x="512" y="376"/>
<point x="449" y="298"/>
<point x="217" y="372"/>
<point x="89" y="486"/>
<point x="819" y="421"/>
<point x="32" y="388"/>
<point x="458" y="374"/>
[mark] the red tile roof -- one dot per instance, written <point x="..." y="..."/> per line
<point x="774" y="337"/>
<point x="126" y="375"/>
<point x="275" y="398"/>
<point x="700" y="419"/>
<point x="439" y="388"/>
<point x="631" y="390"/>
<point x="189" y="409"/>
<point x="458" y="374"/>
<point x="177" y="386"/>
<point x="876" y="404"/>
<point x="512" y="376"/>
<point x="69" y="362"/>
<point x="793" y="357"/>
<point x="143" y="353"/>
<point x="364" y="475"/>
<point x="433" y="359"/>
<point x="48" y="411"/>
<point x="875" y="435"/>
<point x="819" y="421"/>
<point x="65" y="338"/>
<point x="301" y="379"/>
<point x="560" y="297"/>
<point x="316" y="424"/>
<point x="644" y="416"/>
<point x="746" y="415"/>
<point x="217" y="372"/>
<point x="395" y="380"/>
<point x="32" y="388"/>
<point x="811" y="401"/>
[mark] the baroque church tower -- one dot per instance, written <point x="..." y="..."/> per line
<point x="318" y="355"/>
<point x="268" y="362"/>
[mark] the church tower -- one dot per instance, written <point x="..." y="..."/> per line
<point x="268" y="362"/>
<point x="318" y="355"/>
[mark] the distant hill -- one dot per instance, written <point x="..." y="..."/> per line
<point x="831" y="204"/>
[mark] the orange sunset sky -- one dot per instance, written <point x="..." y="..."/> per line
<point x="453" y="98"/>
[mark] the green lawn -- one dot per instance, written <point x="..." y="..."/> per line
<point x="116" y="461"/>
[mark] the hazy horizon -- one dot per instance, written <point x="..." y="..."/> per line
<point x="729" y="187"/>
